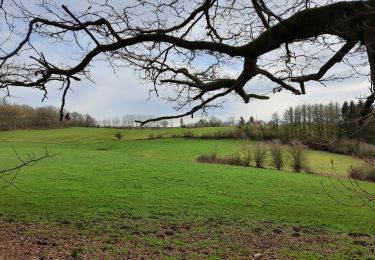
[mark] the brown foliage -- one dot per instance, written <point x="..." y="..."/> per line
<point x="259" y="154"/>
<point x="297" y="156"/>
<point x="277" y="153"/>
<point x="363" y="173"/>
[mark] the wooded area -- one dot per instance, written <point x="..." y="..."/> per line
<point x="13" y="117"/>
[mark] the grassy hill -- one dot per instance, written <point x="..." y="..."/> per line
<point x="97" y="179"/>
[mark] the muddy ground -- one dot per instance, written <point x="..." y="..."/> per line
<point x="133" y="239"/>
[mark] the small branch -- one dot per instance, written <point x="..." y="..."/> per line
<point x="29" y="161"/>
<point x="270" y="13"/>
<point x="278" y="81"/>
<point x="353" y="189"/>
<point x="256" y="96"/>
<point x="79" y="22"/>
<point x="366" y="113"/>
<point x="248" y="72"/>
<point x="259" y="12"/>
<point x="63" y="98"/>
<point x="191" y="112"/>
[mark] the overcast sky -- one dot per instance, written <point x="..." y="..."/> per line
<point x="115" y="95"/>
<point x="112" y="96"/>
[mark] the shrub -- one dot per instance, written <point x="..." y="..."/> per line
<point x="357" y="173"/>
<point x="297" y="156"/>
<point x="362" y="173"/>
<point x="371" y="174"/>
<point x="365" y="150"/>
<point x="259" y="154"/>
<point x="219" y="134"/>
<point x="188" y="134"/>
<point x="277" y="154"/>
<point x="353" y="147"/>
<point x="207" y="158"/>
<point x="233" y="159"/>
<point x="247" y="155"/>
<point x="118" y="135"/>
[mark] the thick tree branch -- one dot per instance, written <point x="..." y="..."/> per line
<point x="158" y="48"/>
<point x="328" y="65"/>
<point x="79" y="22"/>
<point x="279" y="81"/>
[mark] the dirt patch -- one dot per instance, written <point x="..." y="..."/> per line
<point x="137" y="239"/>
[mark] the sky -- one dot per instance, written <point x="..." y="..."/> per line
<point x="113" y="96"/>
<point x="116" y="94"/>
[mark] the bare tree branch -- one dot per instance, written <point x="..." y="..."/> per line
<point x="9" y="175"/>
<point x="165" y="47"/>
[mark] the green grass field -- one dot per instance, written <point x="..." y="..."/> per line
<point x="97" y="179"/>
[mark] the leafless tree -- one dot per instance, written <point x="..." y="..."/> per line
<point x="204" y="50"/>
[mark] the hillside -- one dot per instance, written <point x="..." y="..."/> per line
<point x="96" y="180"/>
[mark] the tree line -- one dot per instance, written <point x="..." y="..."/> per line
<point x="13" y="117"/>
<point x="307" y="122"/>
<point x="314" y="121"/>
<point x="324" y="122"/>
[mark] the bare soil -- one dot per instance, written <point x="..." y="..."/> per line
<point x="135" y="239"/>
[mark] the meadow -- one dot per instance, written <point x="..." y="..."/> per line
<point x="135" y="188"/>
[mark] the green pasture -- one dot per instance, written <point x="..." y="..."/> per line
<point x="93" y="135"/>
<point x="94" y="177"/>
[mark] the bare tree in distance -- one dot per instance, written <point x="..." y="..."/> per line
<point x="203" y="50"/>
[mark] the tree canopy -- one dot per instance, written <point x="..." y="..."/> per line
<point x="203" y="50"/>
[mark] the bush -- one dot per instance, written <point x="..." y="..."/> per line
<point x="188" y="134"/>
<point x="220" y="134"/>
<point x="208" y="158"/>
<point x="277" y="154"/>
<point x="118" y="135"/>
<point x="353" y="147"/>
<point x="233" y="159"/>
<point x="259" y="154"/>
<point x="247" y="155"/>
<point x="297" y="156"/>
<point x="363" y="173"/>
<point x="371" y="174"/>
